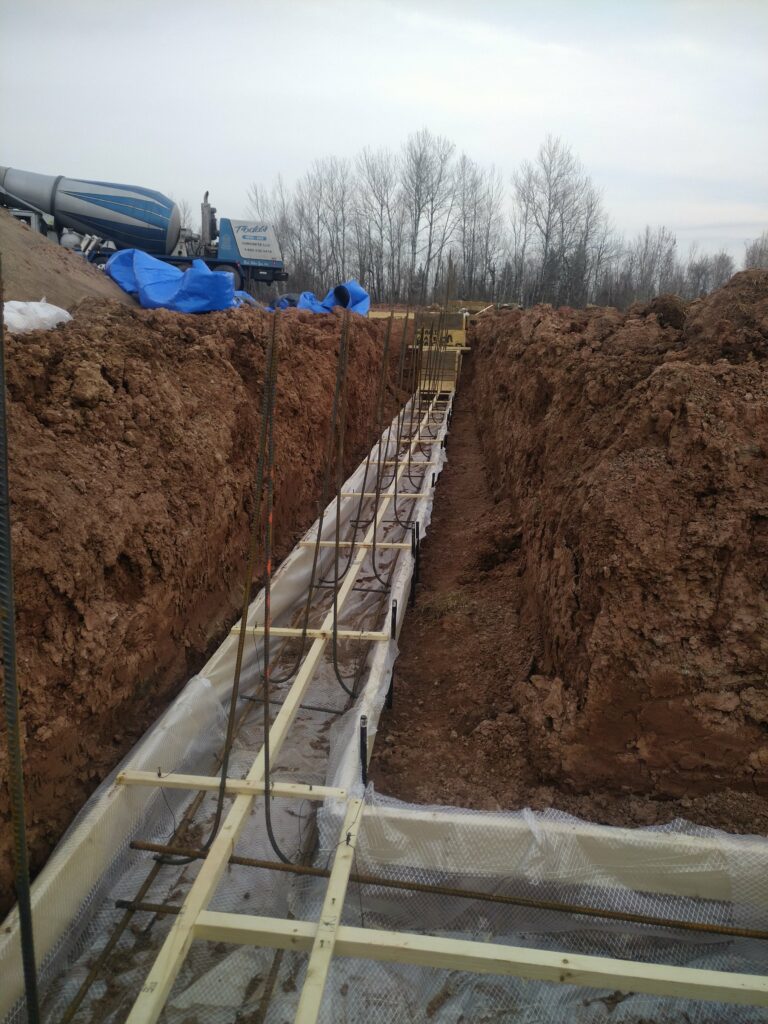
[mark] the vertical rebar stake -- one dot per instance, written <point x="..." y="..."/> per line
<point x="412" y="601"/>
<point x="11" y="705"/>
<point x="417" y="558"/>
<point x="364" y="748"/>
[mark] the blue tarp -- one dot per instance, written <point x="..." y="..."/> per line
<point x="201" y="290"/>
<point x="350" y="295"/>
<point x="158" y="284"/>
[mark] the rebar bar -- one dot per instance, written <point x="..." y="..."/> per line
<point x="556" y="906"/>
<point x="11" y="707"/>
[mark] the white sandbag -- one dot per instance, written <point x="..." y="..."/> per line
<point x="20" y="317"/>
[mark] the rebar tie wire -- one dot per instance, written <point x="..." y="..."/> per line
<point x="415" y="418"/>
<point x="343" y="355"/>
<point x="380" y="461"/>
<point x="357" y="674"/>
<point x="404" y="525"/>
<point x="355" y="522"/>
<point x="11" y="708"/>
<point x="401" y="417"/>
<point x="335" y="434"/>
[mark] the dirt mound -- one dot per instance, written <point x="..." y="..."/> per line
<point x="35" y="268"/>
<point x="133" y="445"/>
<point x="731" y="323"/>
<point x="633" y="459"/>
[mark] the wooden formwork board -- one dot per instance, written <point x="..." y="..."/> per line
<point x="327" y="928"/>
<point x="488" y="958"/>
<point x="379" y="545"/>
<point x="233" y="787"/>
<point x="407" y="495"/>
<point x="366" y="635"/>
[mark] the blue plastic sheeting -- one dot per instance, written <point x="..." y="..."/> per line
<point x="157" y="284"/>
<point x="288" y="301"/>
<point x="350" y="295"/>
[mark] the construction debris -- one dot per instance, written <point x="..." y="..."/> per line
<point x="22" y="317"/>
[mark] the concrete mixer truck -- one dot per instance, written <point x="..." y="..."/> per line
<point x="107" y="216"/>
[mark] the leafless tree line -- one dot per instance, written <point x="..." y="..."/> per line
<point x="425" y="222"/>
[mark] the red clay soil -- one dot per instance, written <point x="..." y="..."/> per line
<point x="133" y="438"/>
<point x="591" y="632"/>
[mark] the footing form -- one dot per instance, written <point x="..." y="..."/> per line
<point x="221" y="940"/>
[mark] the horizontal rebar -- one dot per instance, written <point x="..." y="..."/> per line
<point x="302" y="707"/>
<point x="466" y="894"/>
<point x="141" y="906"/>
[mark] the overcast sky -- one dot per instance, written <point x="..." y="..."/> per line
<point x="665" y="102"/>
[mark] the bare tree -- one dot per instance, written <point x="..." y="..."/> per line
<point x="410" y="224"/>
<point x="723" y="268"/>
<point x="379" y="219"/>
<point x="756" y="254"/>
<point x="415" y="174"/>
<point x="478" y="231"/>
<point x="559" y="228"/>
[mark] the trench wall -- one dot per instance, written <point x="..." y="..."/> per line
<point x="133" y="447"/>
<point x="631" y="450"/>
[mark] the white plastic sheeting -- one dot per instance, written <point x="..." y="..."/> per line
<point x="21" y="317"/>
<point x="677" y="871"/>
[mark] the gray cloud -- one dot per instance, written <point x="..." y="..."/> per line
<point x="665" y="102"/>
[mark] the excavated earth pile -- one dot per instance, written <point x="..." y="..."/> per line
<point x="133" y="447"/>
<point x="35" y="268"/>
<point x="613" y="593"/>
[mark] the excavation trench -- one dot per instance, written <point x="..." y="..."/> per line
<point x="485" y="631"/>
<point x="441" y="856"/>
<point x="589" y="633"/>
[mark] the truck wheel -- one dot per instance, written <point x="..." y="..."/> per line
<point x="233" y="271"/>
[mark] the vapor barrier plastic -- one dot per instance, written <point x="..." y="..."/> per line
<point x="677" y="871"/>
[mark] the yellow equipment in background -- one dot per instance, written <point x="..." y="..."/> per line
<point x="439" y="342"/>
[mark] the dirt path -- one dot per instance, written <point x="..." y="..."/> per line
<point x="450" y="737"/>
<point x="454" y="735"/>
